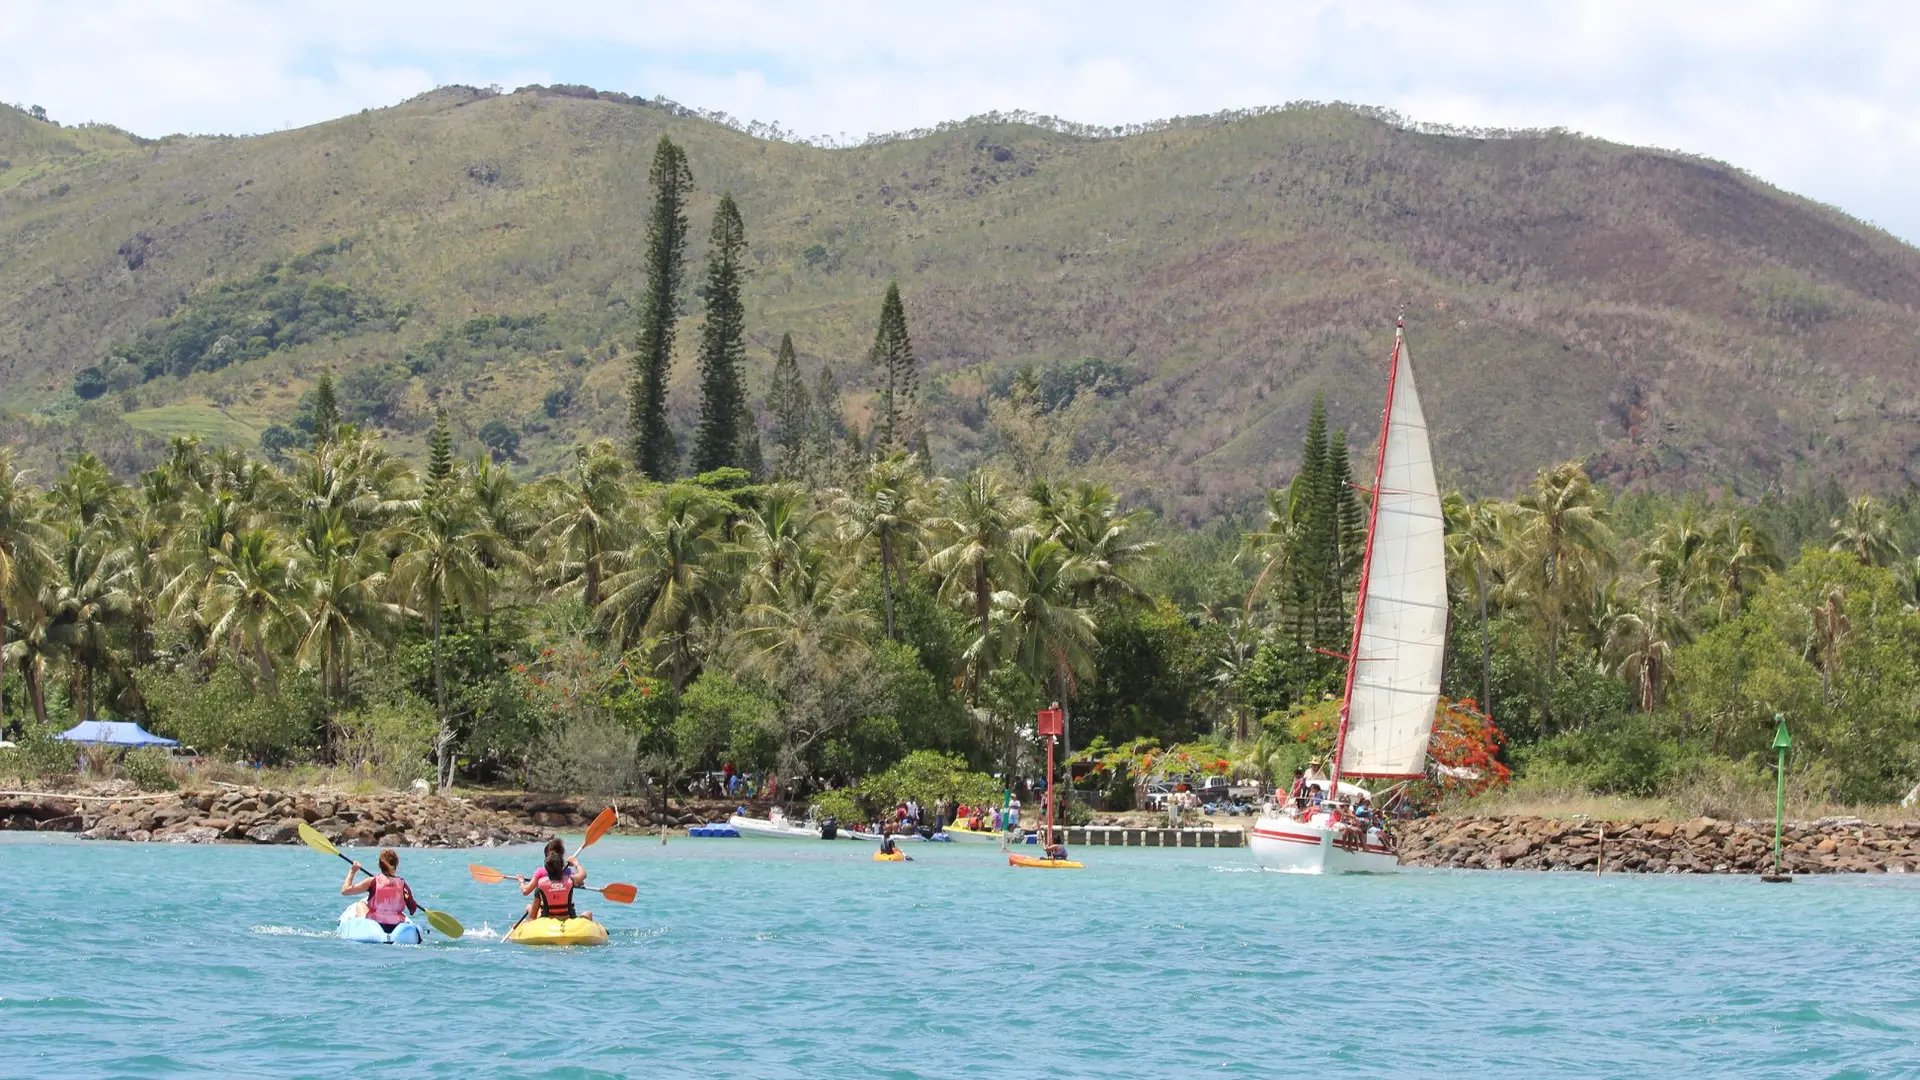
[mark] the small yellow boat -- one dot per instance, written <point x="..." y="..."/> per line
<point x="1045" y="864"/>
<point x="881" y="856"/>
<point x="558" y="932"/>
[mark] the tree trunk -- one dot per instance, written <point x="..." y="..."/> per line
<point x="265" y="664"/>
<point x="443" y="744"/>
<point x="886" y="581"/>
<point x="1486" y="648"/>
<point x="982" y="603"/>
<point x="591" y="596"/>
<point x="31" y="670"/>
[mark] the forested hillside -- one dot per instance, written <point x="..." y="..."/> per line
<point x="1180" y="294"/>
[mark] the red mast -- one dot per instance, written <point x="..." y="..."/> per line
<point x="1366" y="565"/>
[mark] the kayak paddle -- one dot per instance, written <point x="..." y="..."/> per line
<point x="445" y="924"/>
<point x="598" y="829"/>
<point x="617" y="892"/>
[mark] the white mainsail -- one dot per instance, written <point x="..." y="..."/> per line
<point x="1403" y="620"/>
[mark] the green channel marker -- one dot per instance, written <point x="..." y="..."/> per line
<point x="1781" y="742"/>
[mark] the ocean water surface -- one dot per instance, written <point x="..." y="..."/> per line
<point x="768" y="958"/>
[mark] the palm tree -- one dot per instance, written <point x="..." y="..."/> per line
<point x="252" y="598"/>
<point x="675" y="573"/>
<point x="1831" y="626"/>
<point x="1641" y="643"/>
<point x="585" y="517"/>
<point x="1738" y="555"/>
<point x="814" y="619"/>
<point x="1088" y="520"/>
<point x="777" y="539"/>
<point x="1474" y="550"/>
<point x="888" y="511"/>
<point x="1042" y="627"/>
<point x="346" y="608"/>
<point x="1678" y="556"/>
<point x="1560" y="543"/>
<point x="1866" y="530"/>
<point x="24" y="563"/>
<point x="1274" y="543"/>
<point x="444" y="553"/>
<point x="978" y="531"/>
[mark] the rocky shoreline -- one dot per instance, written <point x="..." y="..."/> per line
<point x="1700" y="846"/>
<point x="257" y="816"/>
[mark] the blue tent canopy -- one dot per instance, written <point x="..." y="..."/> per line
<point x="113" y="733"/>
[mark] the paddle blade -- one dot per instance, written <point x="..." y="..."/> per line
<point x="485" y="875"/>
<point x="619" y="894"/>
<point x="314" y="840"/>
<point x="600" y="826"/>
<point x="445" y="925"/>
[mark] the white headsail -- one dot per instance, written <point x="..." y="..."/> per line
<point x="1403" y="622"/>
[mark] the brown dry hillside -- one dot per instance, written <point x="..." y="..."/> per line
<point x="1673" y="320"/>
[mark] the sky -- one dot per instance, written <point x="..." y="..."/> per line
<point x="1816" y="97"/>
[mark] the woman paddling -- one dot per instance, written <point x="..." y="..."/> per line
<point x="389" y="900"/>
<point x="553" y="884"/>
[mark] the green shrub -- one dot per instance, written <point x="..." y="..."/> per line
<point x="838" y="804"/>
<point x="587" y="755"/>
<point x="389" y="741"/>
<point x="150" y="768"/>
<point x="1628" y="754"/>
<point x="224" y="712"/>
<point x="39" y="756"/>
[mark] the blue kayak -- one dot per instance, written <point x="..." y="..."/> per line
<point x="355" y="926"/>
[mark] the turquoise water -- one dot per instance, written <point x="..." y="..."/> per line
<point x="770" y="958"/>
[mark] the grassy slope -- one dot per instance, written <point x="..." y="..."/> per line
<point x="1680" y="322"/>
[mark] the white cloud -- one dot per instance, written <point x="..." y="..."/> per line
<point x="1813" y="96"/>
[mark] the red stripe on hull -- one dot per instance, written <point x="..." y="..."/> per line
<point x="1295" y="838"/>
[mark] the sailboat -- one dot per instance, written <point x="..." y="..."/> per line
<point x="1393" y="663"/>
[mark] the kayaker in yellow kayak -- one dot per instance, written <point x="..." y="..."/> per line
<point x="552" y="885"/>
<point x="389" y="899"/>
<point x="1056" y="851"/>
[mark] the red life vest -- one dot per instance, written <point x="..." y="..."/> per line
<point x="556" y="897"/>
<point x="387" y="902"/>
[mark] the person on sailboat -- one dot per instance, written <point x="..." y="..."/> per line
<point x="1298" y="792"/>
<point x="1313" y="771"/>
<point x="1056" y="850"/>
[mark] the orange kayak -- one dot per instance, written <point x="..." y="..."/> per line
<point x="1044" y="864"/>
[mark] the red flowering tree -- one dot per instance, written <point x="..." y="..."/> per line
<point x="1466" y="745"/>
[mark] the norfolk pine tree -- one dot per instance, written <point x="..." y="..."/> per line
<point x="648" y="430"/>
<point x="439" y="454"/>
<point x="725" y="420"/>
<point x="898" y="422"/>
<point x="326" y="410"/>
<point x="789" y="408"/>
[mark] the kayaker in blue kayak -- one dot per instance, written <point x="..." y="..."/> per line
<point x="389" y="899"/>
<point x="552" y="885"/>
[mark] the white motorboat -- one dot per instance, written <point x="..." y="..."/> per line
<point x="1393" y="664"/>
<point x="777" y="824"/>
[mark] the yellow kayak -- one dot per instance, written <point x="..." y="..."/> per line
<point x="558" y="932"/>
<point x="881" y="856"/>
<point x="1044" y="864"/>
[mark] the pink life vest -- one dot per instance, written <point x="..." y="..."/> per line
<point x="387" y="902"/>
<point x="556" y="897"/>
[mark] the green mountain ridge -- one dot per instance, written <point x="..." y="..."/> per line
<point x="1673" y="321"/>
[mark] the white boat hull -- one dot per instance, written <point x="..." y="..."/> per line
<point x="1312" y="845"/>
<point x="784" y="830"/>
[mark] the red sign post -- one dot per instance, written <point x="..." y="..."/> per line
<point x="1051" y="724"/>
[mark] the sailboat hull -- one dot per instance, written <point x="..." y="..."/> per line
<point x="1313" y="846"/>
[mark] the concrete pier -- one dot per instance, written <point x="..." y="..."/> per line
<point x="1121" y="836"/>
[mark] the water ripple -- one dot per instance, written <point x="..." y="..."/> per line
<point x="776" y="959"/>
